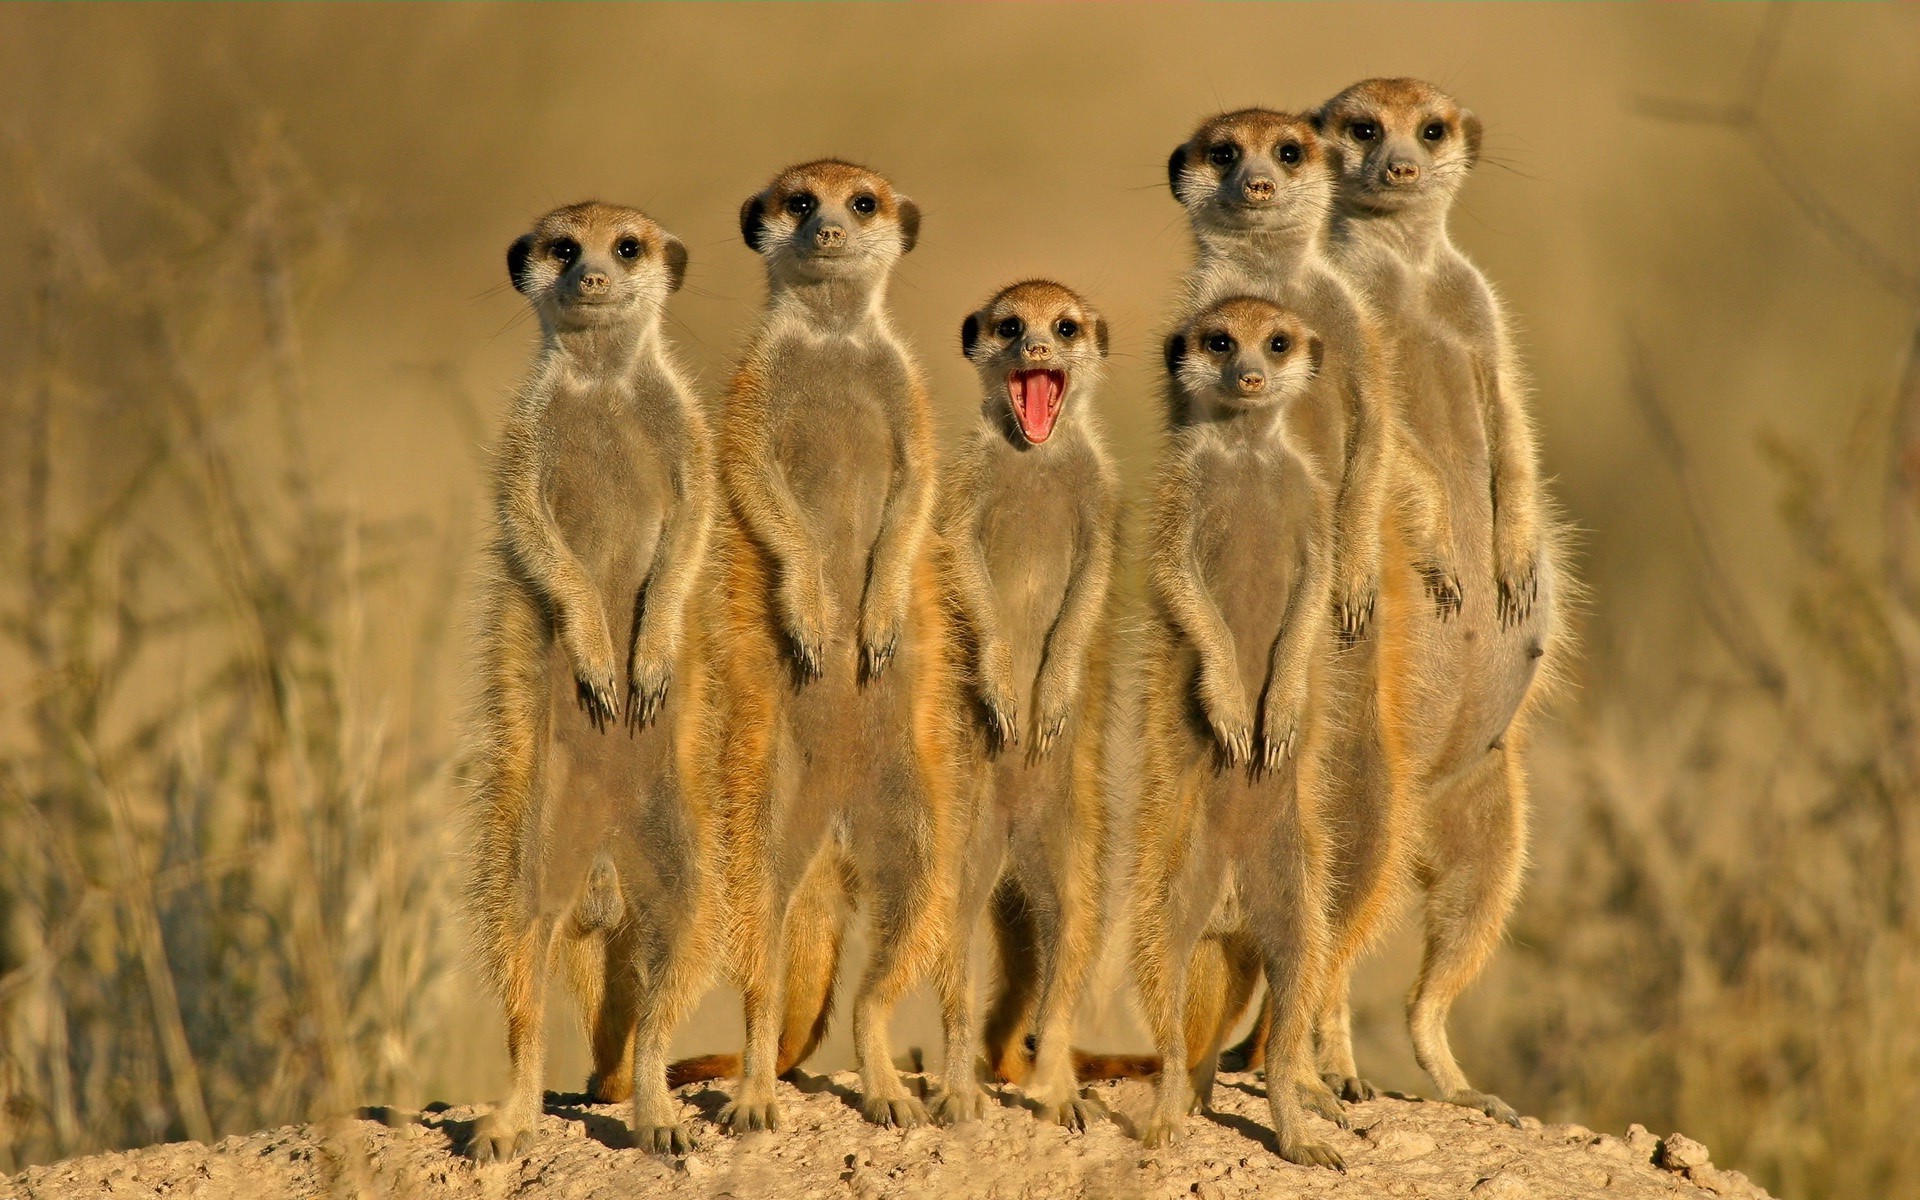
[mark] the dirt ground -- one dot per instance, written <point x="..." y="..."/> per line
<point x="1395" y="1147"/>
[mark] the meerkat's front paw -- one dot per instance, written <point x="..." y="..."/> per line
<point x="750" y="1113"/>
<point x="666" y="1139"/>
<point x="894" y="1112"/>
<point x="1224" y="699"/>
<point x="1162" y="1129"/>
<point x="955" y="1105"/>
<point x="596" y="692"/>
<point x="1491" y="1105"/>
<point x="647" y="683"/>
<point x="496" y="1138"/>
<point x="807" y="621"/>
<point x="1278" y="734"/>
<point x="1353" y="608"/>
<point x="1302" y="1152"/>
<point x="1350" y="1088"/>
<point x="877" y="649"/>
<point x="1055" y="704"/>
<point x="1075" y="1112"/>
<point x="1519" y="585"/>
<point x="1319" y="1100"/>
<point x="1443" y="588"/>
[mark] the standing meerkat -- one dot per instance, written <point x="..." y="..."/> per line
<point x="591" y="824"/>
<point x="1463" y="689"/>
<point x="1259" y="187"/>
<point x="833" y="651"/>
<point x="1029" y="524"/>
<point x="1239" y="569"/>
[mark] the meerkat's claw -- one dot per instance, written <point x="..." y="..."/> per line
<point x="1356" y="613"/>
<point x="645" y="698"/>
<point x="1491" y="1105"/>
<point x="596" y="699"/>
<point x="954" y="1106"/>
<point x="1049" y="732"/>
<point x="1350" y="1088"/>
<point x="1162" y="1130"/>
<point x="894" y="1112"/>
<point x="875" y="659"/>
<point x="742" y="1116"/>
<point x="1077" y="1113"/>
<point x="494" y="1141"/>
<point x="666" y="1139"/>
<point x="1443" y="588"/>
<point x="809" y="659"/>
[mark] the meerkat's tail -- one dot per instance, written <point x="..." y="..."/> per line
<point x="1090" y="1068"/>
<point x="703" y="1068"/>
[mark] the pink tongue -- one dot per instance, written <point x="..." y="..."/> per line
<point x="1037" y="395"/>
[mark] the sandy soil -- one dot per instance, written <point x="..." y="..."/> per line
<point x="1396" y="1147"/>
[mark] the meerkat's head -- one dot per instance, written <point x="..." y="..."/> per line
<point x="592" y="265"/>
<point x="829" y="220"/>
<point x="1240" y="354"/>
<point x="1035" y="344"/>
<point x="1255" y="169"/>
<point x="1404" y="144"/>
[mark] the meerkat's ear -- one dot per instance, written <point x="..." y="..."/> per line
<point x="1100" y="335"/>
<point x="1176" y="351"/>
<point x="517" y="256"/>
<point x="969" y="333"/>
<point x="675" y="252"/>
<point x="753" y="219"/>
<point x="1470" y="129"/>
<point x="1315" y="352"/>
<point x="1176" y="162"/>
<point x="909" y="225"/>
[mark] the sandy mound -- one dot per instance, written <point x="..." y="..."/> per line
<point x="1396" y="1147"/>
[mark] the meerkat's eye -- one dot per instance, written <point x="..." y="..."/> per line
<point x="1219" y="343"/>
<point x="1290" y="153"/>
<point x="1364" y="131"/>
<point x="1011" y="327"/>
<point x="1434" y="131"/>
<point x="1223" y="154"/>
<point x="1280" y="344"/>
<point x="865" y="205"/>
<point x="1067" y="328"/>
<point x="627" y="247"/>
<point x="800" y="204"/>
<point x="565" y="249"/>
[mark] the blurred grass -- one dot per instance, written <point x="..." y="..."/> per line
<point x="254" y="286"/>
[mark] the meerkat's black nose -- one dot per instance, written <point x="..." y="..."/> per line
<point x="829" y="235"/>
<point x="1252" y="381"/>
<point x="1259" y="188"/>
<point x="1039" y="350"/>
<point x="1402" y="171"/>
<point x="594" y="282"/>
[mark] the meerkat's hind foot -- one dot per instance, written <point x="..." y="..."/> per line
<point x="1484" y="1102"/>
<point x="1350" y="1088"/>
<point x="1304" y="1153"/>
<point x="496" y="1139"/>
<point x="666" y="1139"/>
<point x="956" y="1105"/>
<point x="894" y="1112"/>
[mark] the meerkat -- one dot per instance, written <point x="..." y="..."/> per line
<point x="587" y="744"/>
<point x="833" y="643"/>
<point x="1240" y="571"/>
<point x="1028" y="525"/>
<point x="1259" y="186"/>
<point x="1461" y="690"/>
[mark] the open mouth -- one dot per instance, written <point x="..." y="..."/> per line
<point x="1036" y="397"/>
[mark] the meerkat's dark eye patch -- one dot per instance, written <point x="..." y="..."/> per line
<point x="1220" y="343"/>
<point x="565" y="249"/>
<point x="1010" y="327"/>
<point x="1280" y="344"/>
<point x="865" y="205"/>
<point x="1434" y="131"/>
<point x="1067" y="328"/>
<point x="1290" y="153"/>
<point x="1363" y="131"/>
<point x="1223" y="154"/>
<point x="627" y="247"/>
<point x="800" y="203"/>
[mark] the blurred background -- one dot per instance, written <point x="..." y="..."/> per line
<point x="257" y="337"/>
